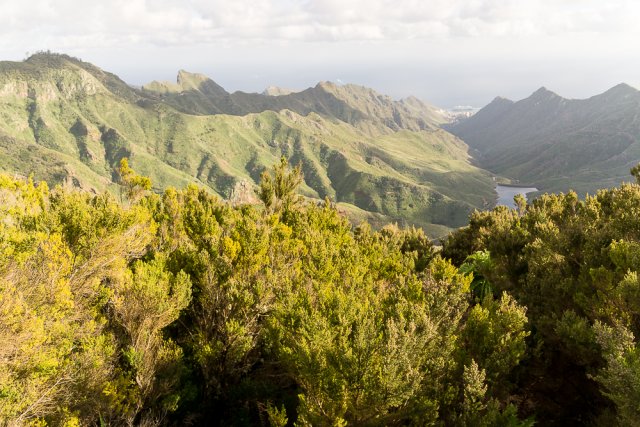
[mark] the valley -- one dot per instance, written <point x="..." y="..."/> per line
<point x="68" y="122"/>
<point x="379" y="160"/>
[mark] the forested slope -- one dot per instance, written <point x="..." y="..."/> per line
<point x="181" y="309"/>
<point x="574" y="264"/>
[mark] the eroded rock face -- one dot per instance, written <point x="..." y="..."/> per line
<point x="78" y="83"/>
<point x="12" y="88"/>
<point x="243" y="193"/>
<point x="51" y="85"/>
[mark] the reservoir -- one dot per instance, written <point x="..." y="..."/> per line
<point x="506" y="193"/>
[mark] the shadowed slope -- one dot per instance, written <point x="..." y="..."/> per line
<point x="557" y="143"/>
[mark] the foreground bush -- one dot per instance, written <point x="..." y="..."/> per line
<point x="180" y="308"/>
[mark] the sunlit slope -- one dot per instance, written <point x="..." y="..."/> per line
<point x="63" y="120"/>
<point x="412" y="177"/>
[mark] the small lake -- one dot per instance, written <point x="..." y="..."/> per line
<point x="506" y="194"/>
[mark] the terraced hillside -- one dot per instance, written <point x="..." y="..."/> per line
<point x="558" y="144"/>
<point x="67" y="121"/>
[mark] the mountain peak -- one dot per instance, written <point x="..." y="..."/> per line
<point x="51" y="59"/>
<point x="622" y="89"/>
<point x="326" y="85"/>
<point x="498" y="103"/>
<point x="187" y="80"/>
<point x="277" y="91"/>
<point x="625" y="86"/>
<point x="544" y="93"/>
<point x="501" y="100"/>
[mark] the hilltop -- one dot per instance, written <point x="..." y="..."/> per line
<point x="67" y="121"/>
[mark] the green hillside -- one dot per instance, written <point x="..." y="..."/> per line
<point x="66" y="121"/>
<point x="558" y="144"/>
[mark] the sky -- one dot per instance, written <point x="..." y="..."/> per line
<point x="446" y="52"/>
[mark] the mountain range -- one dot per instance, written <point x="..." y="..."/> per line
<point x="557" y="144"/>
<point x="357" y="105"/>
<point x="67" y="121"/>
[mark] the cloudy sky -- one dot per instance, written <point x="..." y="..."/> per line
<point x="448" y="52"/>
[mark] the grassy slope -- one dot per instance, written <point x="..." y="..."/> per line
<point x="61" y="120"/>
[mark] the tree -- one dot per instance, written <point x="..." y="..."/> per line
<point x="621" y="375"/>
<point x="278" y="189"/>
<point x="135" y="185"/>
<point x="145" y="301"/>
<point x="59" y="253"/>
<point x="635" y="172"/>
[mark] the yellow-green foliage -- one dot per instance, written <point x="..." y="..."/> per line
<point x="59" y="252"/>
<point x="183" y="308"/>
<point x="574" y="264"/>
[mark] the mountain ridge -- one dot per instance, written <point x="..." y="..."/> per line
<point x="65" y="121"/>
<point x="556" y="143"/>
<point x="351" y="103"/>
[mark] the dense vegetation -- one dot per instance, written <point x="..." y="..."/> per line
<point x="183" y="309"/>
<point x="574" y="265"/>
<point x="180" y="309"/>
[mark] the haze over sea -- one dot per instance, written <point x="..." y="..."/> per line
<point x="445" y="52"/>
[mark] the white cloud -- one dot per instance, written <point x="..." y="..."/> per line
<point x="458" y="50"/>
<point x="174" y="22"/>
